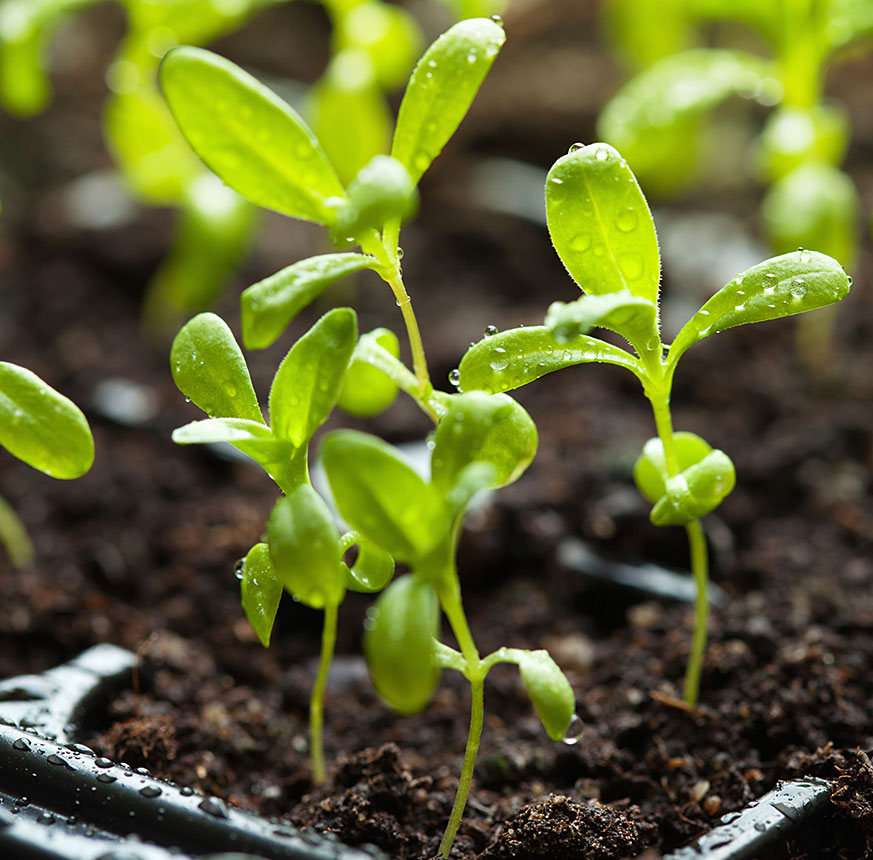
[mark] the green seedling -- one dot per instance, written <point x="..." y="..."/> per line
<point x="303" y="552"/>
<point x="44" y="429"/>
<point x="603" y="232"/>
<point x="482" y="442"/>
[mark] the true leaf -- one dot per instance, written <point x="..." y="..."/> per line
<point x="399" y="644"/>
<point x="480" y="427"/>
<point x="549" y="691"/>
<point x="305" y="548"/>
<point x="209" y="368"/>
<point x="269" y="305"/>
<point x="260" y="591"/>
<point x="42" y="427"/>
<point x="440" y="91"/>
<point x="308" y="381"/>
<point x="778" y="287"/>
<point x="249" y="136"/>
<point x="515" y="357"/>
<point x="366" y="390"/>
<point x="600" y="223"/>
<point x="381" y="496"/>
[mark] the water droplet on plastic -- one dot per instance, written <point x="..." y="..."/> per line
<point x="575" y="147"/>
<point x="21" y="744"/>
<point x="103" y="762"/>
<point x="150" y="791"/>
<point x="239" y="568"/>
<point x="490" y="330"/>
<point x="46" y="818"/>
<point x="212" y="807"/>
<point x="455" y="377"/>
<point x="186" y="791"/>
<point x="574" y="731"/>
<point x="105" y="777"/>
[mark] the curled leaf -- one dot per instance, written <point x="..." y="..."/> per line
<point x="549" y="691"/>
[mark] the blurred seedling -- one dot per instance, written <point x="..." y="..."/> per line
<point x="603" y="232"/>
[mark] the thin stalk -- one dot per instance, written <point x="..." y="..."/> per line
<point x="700" y="569"/>
<point x="477" y="717"/>
<point x="316" y="701"/>
<point x="14" y="536"/>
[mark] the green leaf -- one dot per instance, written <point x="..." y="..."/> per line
<point x="600" y="223"/>
<point x="214" y="430"/>
<point x="480" y="427"/>
<point x="381" y="496"/>
<point x="305" y="548"/>
<point x="645" y="31"/>
<point x="633" y="318"/>
<point x="260" y="591"/>
<point x="308" y="381"/>
<point x="778" y="287"/>
<point x="366" y="390"/>
<point x="847" y="21"/>
<point x="42" y="427"/>
<point x="515" y="357"/>
<point x="549" y="690"/>
<point x="650" y="471"/>
<point x="208" y="367"/>
<point x="372" y="570"/>
<point x="441" y="89"/>
<point x="814" y="206"/>
<point x="399" y="642"/>
<point x="269" y="305"/>
<point x="251" y="138"/>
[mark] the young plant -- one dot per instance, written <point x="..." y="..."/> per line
<point x="482" y="442"/>
<point x="44" y="429"/>
<point x="603" y="232"/>
<point x="303" y="553"/>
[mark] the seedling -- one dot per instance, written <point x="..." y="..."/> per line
<point x="603" y="232"/>
<point x="44" y="429"/>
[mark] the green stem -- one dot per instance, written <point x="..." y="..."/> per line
<point x="14" y="537"/>
<point x="316" y="702"/>
<point x="700" y="569"/>
<point x="477" y="717"/>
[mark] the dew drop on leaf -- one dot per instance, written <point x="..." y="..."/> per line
<point x="798" y="288"/>
<point x="581" y="242"/>
<point x="490" y="330"/>
<point x="497" y="20"/>
<point x="805" y="255"/>
<point x="574" y="731"/>
<point x="238" y="568"/>
<point x="575" y="147"/>
<point x="602" y="153"/>
<point x="626" y="220"/>
<point x="455" y="377"/>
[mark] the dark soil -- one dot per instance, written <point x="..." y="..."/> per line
<point x="141" y="551"/>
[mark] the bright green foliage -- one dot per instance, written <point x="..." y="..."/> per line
<point x="260" y="591"/>
<point x="598" y="199"/>
<point x="548" y="689"/>
<point x="645" y="31"/>
<point x="373" y="568"/>
<point x="367" y="390"/>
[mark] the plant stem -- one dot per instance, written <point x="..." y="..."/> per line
<point x="14" y="537"/>
<point x="316" y="701"/>
<point x="700" y="569"/>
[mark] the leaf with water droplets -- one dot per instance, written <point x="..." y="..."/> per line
<point x="42" y="427"/>
<point x="249" y="136"/>
<point x="634" y="318"/>
<point x="441" y="89"/>
<point x="305" y="548"/>
<point x="778" y="287"/>
<point x="549" y="690"/>
<point x="308" y="381"/>
<point x="600" y="223"/>
<point x="517" y="356"/>
<point x="269" y="305"/>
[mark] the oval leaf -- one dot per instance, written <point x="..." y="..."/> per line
<point x="549" y="691"/>
<point x="214" y="430"/>
<point x="305" y="548"/>
<point x="515" y="357"/>
<point x="260" y="591"/>
<point x="249" y="136"/>
<point x="696" y="491"/>
<point x="778" y="287"/>
<point x="381" y="496"/>
<point x="441" y="89"/>
<point x="366" y="390"/>
<point x="42" y="427"/>
<point x="308" y="381"/>
<point x="650" y="470"/>
<point x="208" y="367"/>
<point x="399" y="643"/>
<point x="372" y="570"/>
<point x="269" y="305"/>
<point x="480" y="427"/>
<point x="600" y="223"/>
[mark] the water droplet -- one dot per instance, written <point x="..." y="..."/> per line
<point x="581" y="242"/>
<point x="57" y="760"/>
<point x="575" y="147"/>
<point x="497" y="20"/>
<point x="805" y="256"/>
<point x="555" y="181"/>
<point x="432" y="63"/>
<point x="143" y="771"/>
<point x="490" y="330"/>
<point x="455" y="377"/>
<point x="798" y="288"/>
<point x="626" y="220"/>
<point x="46" y="818"/>
<point x="105" y="777"/>
<point x="472" y="57"/>
<point x="574" y="731"/>
<point x="500" y="359"/>
<point x="150" y="791"/>
<point x="602" y="153"/>
<point x="186" y="791"/>
<point x="212" y="807"/>
<point x="21" y="744"/>
<point x="239" y="568"/>
<point x="103" y="762"/>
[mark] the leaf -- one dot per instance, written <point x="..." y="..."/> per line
<point x="214" y="430"/>
<point x="260" y="591"/>
<point x="372" y="570"/>
<point x="633" y="318"/>
<point x="515" y="357"/>
<point x="381" y="496"/>
<point x="848" y="21"/>
<point x="650" y="471"/>
<point x="441" y="89"/>
<point x="778" y="287"/>
<point x="399" y="643"/>
<point x="251" y="138"/>
<point x="269" y="305"/>
<point x="208" y="367"/>
<point x="366" y="390"/>
<point x="549" y="690"/>
<point x="480" y="427"/>
<point x="308" y="381"/>
<point x="600" y="223"/>
<point x="42" y="427"/>
<point x="305" y="548"/>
